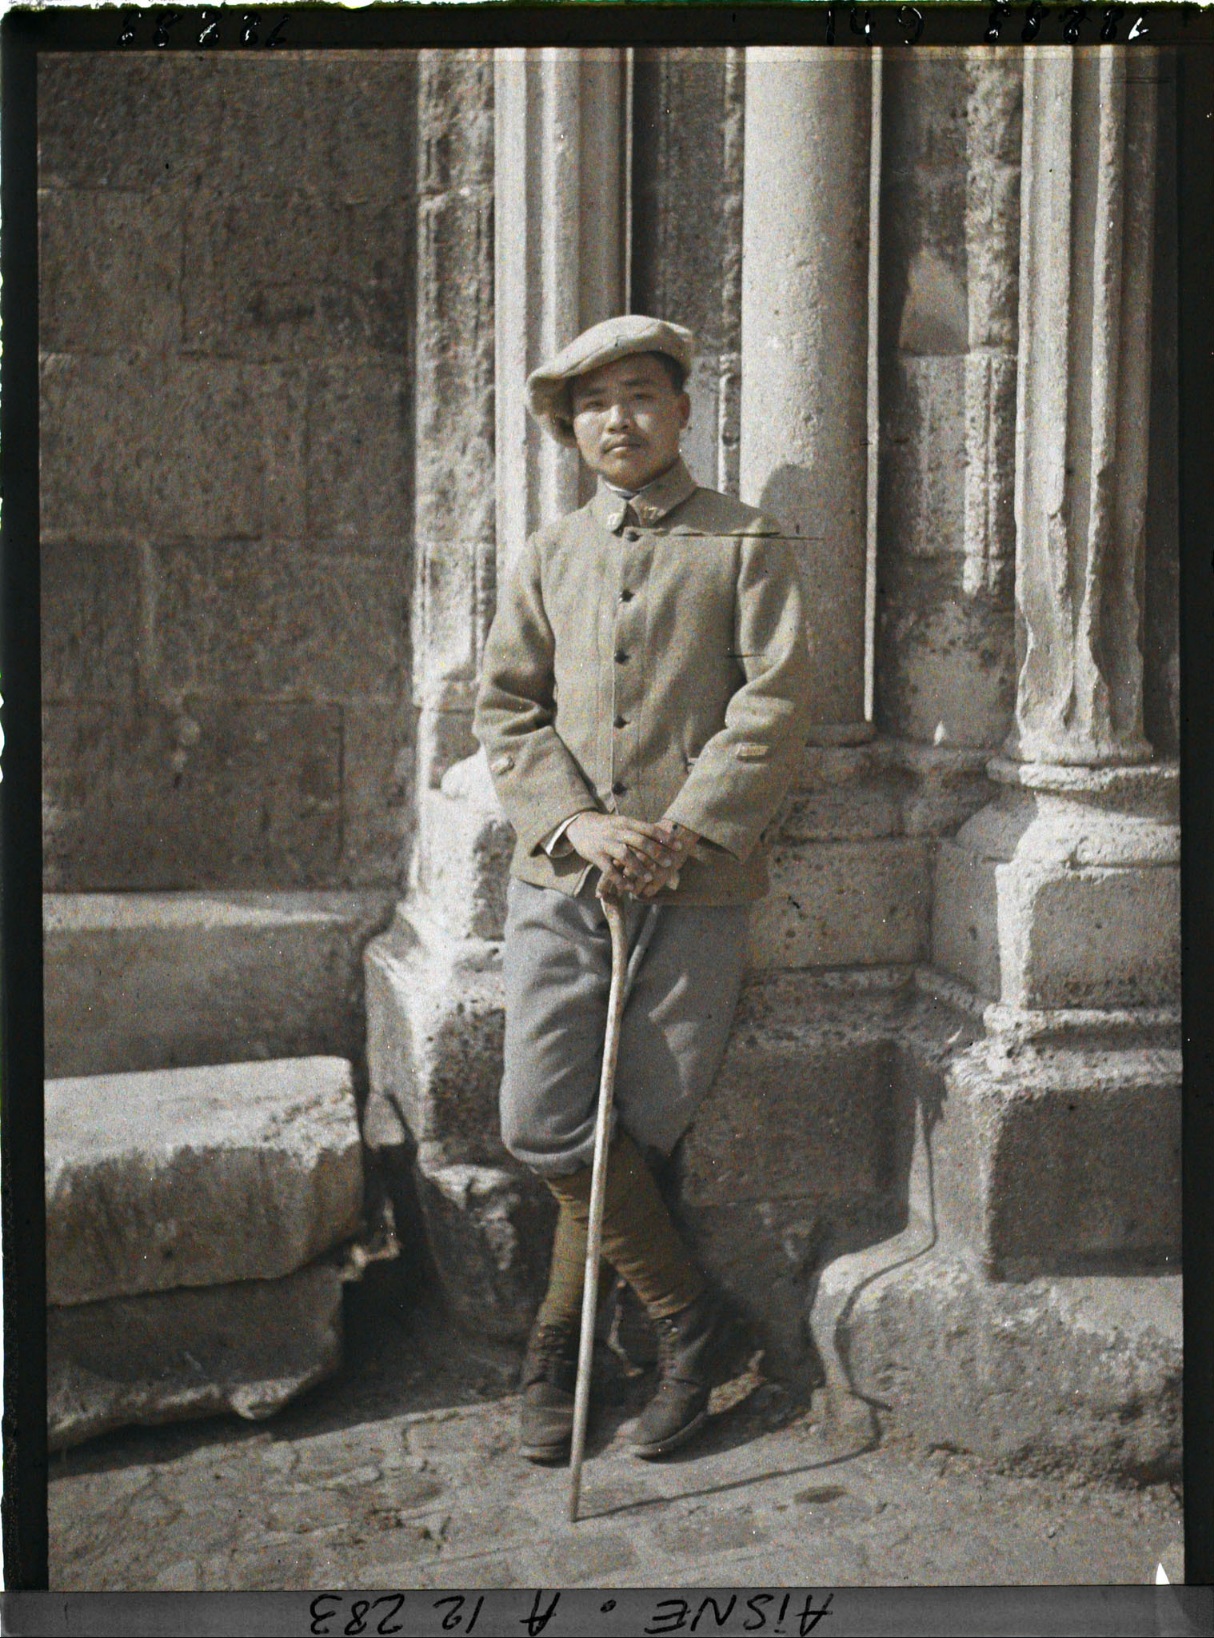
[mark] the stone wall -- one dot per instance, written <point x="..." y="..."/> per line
<point x="226" y="249"/>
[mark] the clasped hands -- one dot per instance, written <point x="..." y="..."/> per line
<point x="634" y="856"/>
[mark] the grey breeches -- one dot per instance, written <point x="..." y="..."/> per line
<point x="557" y="967"/>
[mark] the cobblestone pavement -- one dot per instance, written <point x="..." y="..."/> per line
<point x="402" y="1473"/>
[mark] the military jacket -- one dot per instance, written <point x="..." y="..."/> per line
<point x="655" y="668"/>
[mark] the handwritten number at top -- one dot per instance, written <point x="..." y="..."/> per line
<point x="173" y="22"/>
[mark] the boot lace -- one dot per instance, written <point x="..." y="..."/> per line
<point x="668" y="1344"/>
<point x="550" y="1351"/>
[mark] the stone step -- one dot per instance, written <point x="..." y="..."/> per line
<point x="198" y="1177"/>
<point x="160" y="980"/>
<point x="169" y="1355"/>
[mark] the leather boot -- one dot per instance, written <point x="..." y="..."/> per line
<point x="549" y="1379"/>
<point x="702" y="1345"/>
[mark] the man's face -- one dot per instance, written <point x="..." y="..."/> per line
<point x="627" y="417"/>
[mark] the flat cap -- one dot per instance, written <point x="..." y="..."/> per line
<point x="548" y="387"/>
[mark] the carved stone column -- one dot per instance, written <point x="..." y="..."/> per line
<point x="805" y="341"/>
<point x="1059" y="903"/>
<point x="561" y="252"/>
<point x="688" y="117"/>
<point x="850" y="870"/>
<point x="1082" y="406"/>
<point x="454" y="338"/>
<point x="946" y="666"/>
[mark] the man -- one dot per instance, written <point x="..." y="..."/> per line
<point x="641" y="708"/>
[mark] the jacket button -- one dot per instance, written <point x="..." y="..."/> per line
<point x="620" y="722"/>
<point x="619" y="788"/>
<point x="626" y="596"/>
<point x="620" y="656"/>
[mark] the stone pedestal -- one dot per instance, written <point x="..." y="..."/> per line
<point x="1059" y="907"/>
<point x="1065" y="892"/>
<point x="1080" y="1375"/>
<point x="1029" y="1308"/>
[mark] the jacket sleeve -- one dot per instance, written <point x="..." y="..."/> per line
<point x="741" y="775"/>
<point x="537" y="780"/>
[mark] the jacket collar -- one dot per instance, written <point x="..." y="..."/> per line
<point x="651" y="504"/>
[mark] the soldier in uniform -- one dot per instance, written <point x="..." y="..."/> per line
<point x="642" y="706"/>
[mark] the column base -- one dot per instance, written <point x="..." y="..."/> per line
<point x="435" y="1020"/>
<point x="435" y="1026"/>
<point x="1064" y="892"/>
<point x="1078" y="1374"/>
<point x="489" y="1231"/>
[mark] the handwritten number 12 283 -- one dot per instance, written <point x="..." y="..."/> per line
<point x="359" y="1619"/>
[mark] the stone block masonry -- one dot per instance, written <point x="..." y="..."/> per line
<point x="249" y="1347"/>
<point x="168" y="980"/>
<point x="194" y="1222"/>
<point x="226" y="260"/>
<point x="201" y="1176"/>
<point x="1075" y="1373"/>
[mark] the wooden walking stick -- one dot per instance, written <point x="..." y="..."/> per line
<point x="614" y="912"/>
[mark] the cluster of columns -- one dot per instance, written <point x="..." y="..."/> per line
<point x="561" y="192"/>
<point x="1080" y="785"/>
<point x="550" y="167"/>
